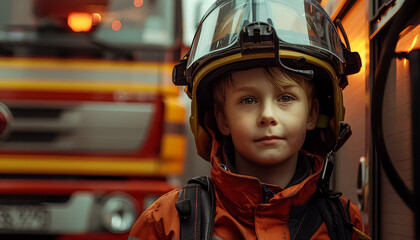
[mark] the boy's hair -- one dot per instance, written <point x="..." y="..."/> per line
<point x="276" y="76"/>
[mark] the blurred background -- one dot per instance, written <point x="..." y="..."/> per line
<point x="93" y="131"/>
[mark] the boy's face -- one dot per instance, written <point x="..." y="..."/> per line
<point x="267" y="125"/>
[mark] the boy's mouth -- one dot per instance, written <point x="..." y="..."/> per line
<point x="268" y="139"/>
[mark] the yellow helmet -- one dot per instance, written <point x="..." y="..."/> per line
<point x="297" y="36"/>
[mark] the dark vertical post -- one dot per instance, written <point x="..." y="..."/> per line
<point x="414" y="59"/>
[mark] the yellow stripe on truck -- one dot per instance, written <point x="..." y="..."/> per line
<point x="24" y="164"/>
<point x="173" y="144"/>
<point x="85" y="65"/>
<point x="79" y="85"/>
<point x="173" y="154"/>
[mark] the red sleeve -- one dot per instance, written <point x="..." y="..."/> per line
<point x="159" y="221"/>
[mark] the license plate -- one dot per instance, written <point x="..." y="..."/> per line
<point x="23" y="218"/>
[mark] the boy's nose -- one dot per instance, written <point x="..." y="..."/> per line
<point x="267" y="116"/>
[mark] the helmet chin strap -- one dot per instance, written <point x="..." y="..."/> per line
<point x="324" y="181"/>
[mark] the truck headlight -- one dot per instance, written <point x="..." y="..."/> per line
<point x="118" y="213"/>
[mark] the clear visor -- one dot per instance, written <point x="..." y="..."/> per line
<point x="302" y="23"/>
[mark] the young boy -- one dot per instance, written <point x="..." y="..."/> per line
<point x="266" y="113"/>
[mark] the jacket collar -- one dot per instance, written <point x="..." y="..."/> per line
<point x="241" y="194"/>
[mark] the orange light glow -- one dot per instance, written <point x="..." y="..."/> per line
<point x="408" y="42"/>
<point x="116" y="25"/>
<point x="414" y="42"/>
<point x="96" y="18"/>
<point x="138" y="3"/>
<point x="323" y="2"/>
<point x="79" y="21"/>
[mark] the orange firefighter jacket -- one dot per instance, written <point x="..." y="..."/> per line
<point x="240" y="210"/>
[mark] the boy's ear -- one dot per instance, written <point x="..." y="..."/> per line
<point x="221" y="120"/>
<point x="313" y="115"/>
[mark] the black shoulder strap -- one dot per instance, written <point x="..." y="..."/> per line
<point x="318" y="209"/>
<point x="196" y="208"/>
<point x="336" y="216"/>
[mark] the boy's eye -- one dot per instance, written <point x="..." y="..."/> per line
<point x="285" y="98"/>
<point x="248" y="100"/>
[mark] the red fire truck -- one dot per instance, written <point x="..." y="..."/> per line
<point x="97" y="128"/>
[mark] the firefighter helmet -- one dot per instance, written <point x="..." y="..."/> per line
<point x="297" y="36"/>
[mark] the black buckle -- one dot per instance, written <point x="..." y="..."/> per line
<point x="343" y="136"/>
<point x="353" y="62"/>
<point x="178" y="73"/>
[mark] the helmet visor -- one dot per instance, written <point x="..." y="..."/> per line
<point x="301" y="23"/>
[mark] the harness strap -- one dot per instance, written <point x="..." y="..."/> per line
<point x="196" y="208"/>
<point x="322" y="209"/>
<point x="304" y="227"/>
<point x="336" y="216"/>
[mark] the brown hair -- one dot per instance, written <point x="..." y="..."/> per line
<point x="276" y="76"/>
